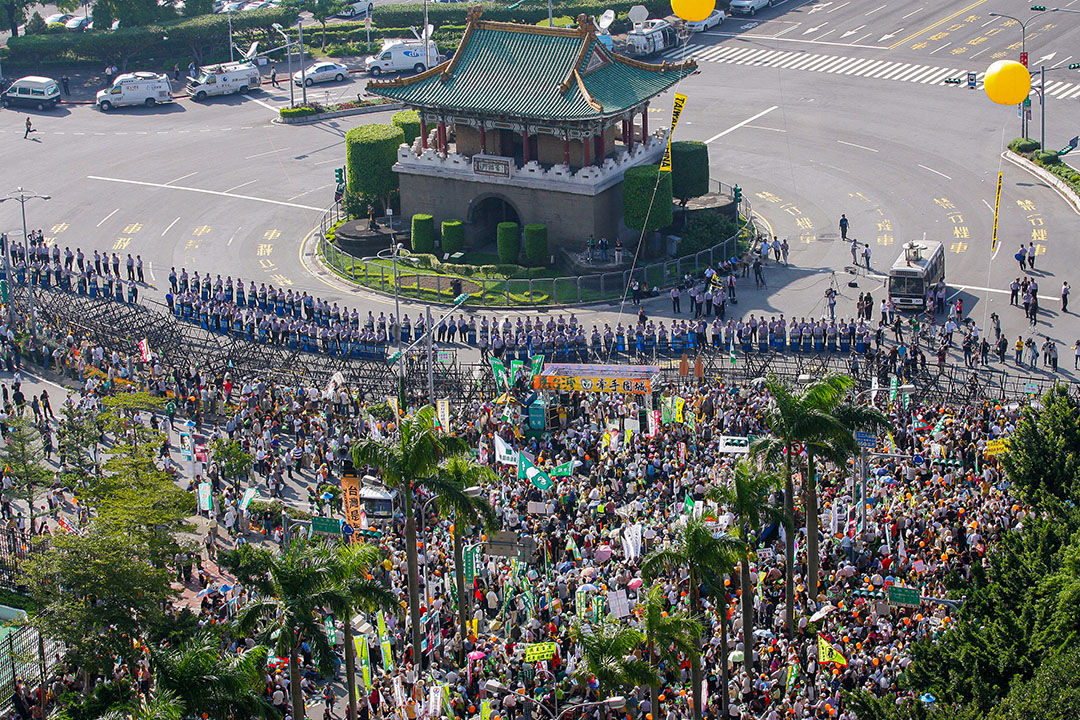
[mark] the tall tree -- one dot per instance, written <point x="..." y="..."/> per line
<point x="608" y="654"/>
<point x="24" y="461"/>
<point x="205" y="680"/>
<point x="285" y="615"/>
<point x="457" y="474"/>
<point x="356" y="589"/>
<point x="407" y="462"/>
<point x="1043" y="460"/>
<point x="747" y="496"/>
<point x="706" y="559"/>
<point x="668" y="634"/>
<point x="321" y="11"/>
<point x="14" y="12"/>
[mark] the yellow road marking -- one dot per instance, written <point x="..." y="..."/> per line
<point x="939" y="23"/>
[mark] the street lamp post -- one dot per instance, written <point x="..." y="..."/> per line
<point x="21" y="196"/>
<point x="303" y="74"/>
<point x="231" y="57"/>
<point x="1023" y="53"/>
<point x="288" y="53"/>
<point x="906" y="389"/>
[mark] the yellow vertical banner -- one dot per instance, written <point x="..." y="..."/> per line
<point x="442" y="413"/>
<point x="676" y="111"/>
<point x="351" y="504"/>
<point x="997" y="207"/>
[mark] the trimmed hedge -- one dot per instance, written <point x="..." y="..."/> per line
<point x="370" y="154"/>
<point x="508" y="239"/>
<point x="409" y="122"/>
<point x="1046" y="158"/>
<point x="423" y="233"/>
<point x="638" y="184"/>
<point x="529" y="12"/>
<point x="453" y="236"/>
<point x="689" y="169"/>
<point x="1024" y="145"/>
<point x="536" y="244"/>
<point x="286" y="112"/>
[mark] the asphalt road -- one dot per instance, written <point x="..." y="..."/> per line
<point x="808" y="129"/>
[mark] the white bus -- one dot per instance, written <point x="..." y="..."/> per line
<point x="920" y="267"/>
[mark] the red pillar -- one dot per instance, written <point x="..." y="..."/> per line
<point x="586" y="148"/>
<point x="600" y="150"/>
<point x="525" y="149"/>
<point x="443" y="148"/>
<point x="645" y="124"/>
<point x="483" y="140"/>
<point x="566" y="150"/>
<point x="423" y="133"/>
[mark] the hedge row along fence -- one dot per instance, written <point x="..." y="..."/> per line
<point x="204" y="38"/>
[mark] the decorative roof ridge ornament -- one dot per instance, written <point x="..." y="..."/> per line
<point x="586" y="94"/>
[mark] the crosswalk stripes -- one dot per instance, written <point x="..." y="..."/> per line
<point x="840" y="65"/>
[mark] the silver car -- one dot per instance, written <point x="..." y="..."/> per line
<point x="321" y="72"/>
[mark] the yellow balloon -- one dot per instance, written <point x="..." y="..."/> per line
<point x="693" y="10"/>
<point x="1007" y="82"/>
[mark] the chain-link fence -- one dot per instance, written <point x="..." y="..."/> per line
<point x="29" y="657"/>
<point x="442" y="287"/>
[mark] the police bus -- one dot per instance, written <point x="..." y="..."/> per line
<point x="920" y="267"/>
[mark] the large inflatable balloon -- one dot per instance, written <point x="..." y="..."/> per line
<point x="1007" y="82"/>
<point x="693" y="10"/>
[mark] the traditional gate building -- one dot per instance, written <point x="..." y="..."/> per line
<point x="529" y="123"/>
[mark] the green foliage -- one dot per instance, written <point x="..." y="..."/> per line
<point x="296" y="112"/>
<point x="453" y="236"/>
<point x="409" y="122"/>
<point x="508" y="240"/>
<point x="232" y="461"/>
<point x="1024" y="145"/>
<point x="1046" y="158"/>
<point x="706" y="228"/>
<point x="689" y="169"/>
<point x="103" y="698"/>
<point x="381" y="411"/>
<point x="370" y="154"/>
<point x="642" y="209"/>
<point x="530" y="12"/>
<point x="1053" y="694"/>
<point x="194" y="8"/>
<point x="1043" y="460"/>
<point x="23" y="458"/>
<point x="536" y="243"/>
<point x="423" y="233"/>
<point x="36" y="25"/>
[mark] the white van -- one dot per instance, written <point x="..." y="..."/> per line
<point x="651" y="36"/>
<point x="402" y="55"/>
<point x="361" y="8"/>
<point x="137" y="88"/>
<point x="32" y="91"/>
<point x="224" y="79"/>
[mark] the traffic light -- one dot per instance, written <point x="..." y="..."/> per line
<point x="1038" y="8"/>
<point x="1074" y="66"/>
<point x="737" y="194"/>
<point x="339" y="175"/>
<point x="953" y="81"/>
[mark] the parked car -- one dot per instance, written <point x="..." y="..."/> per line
<point x="321" y="72"/>
<point x="115" y="24"/>
<point x="32" y="91"/>
<point x="232" y="7"/>
<point x="77" y="24"/>
<point x="357" y="9"/>
<point x="58" y="18"/>
<point x="716" y="18"/>
<point x="749" y="7"/>
<point x="257" y="5"/>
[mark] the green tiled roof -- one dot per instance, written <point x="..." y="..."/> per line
<point x="528" y="71"/>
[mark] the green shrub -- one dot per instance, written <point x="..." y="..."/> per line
<point x="409" y="122"/>
<point x="704" y="229"/>
<point x="453" y="235"/>
<point x="689" y="170"/>
<point x="638" y="184"/>
<point x="536" y="244"/>
<point x="530" y="11"/>
<point x="1024" y="145"/>
<point x="423" y="233"/>
<point x="36" y="24"/>
<point x="508" y="269"/>
<point x="297" y="112"/>
<point x="1046" y="158"/>
<point x="508" y="240"/>
<point x="370" y="154"/>
<point x="489" y="270"/>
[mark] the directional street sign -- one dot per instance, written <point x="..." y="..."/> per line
<point x="865" y="440"/>
<point x="904" y="596"/>
<point x="326" y="526"/>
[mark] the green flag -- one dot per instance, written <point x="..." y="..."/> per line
<point x="502" y="382"/>
<point x="667" y="409"/>
<point x="894" y="384"/>
<point x="564" y="470"/>
<point x="516" y="366"/>
<point x="792" y="679"/>
<point x="733" y="360"/>
<point x="537" y="366"/>
<point x="688" y="504"/>
<point x="528" y="471"/>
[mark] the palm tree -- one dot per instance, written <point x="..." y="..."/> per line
<point x="793" y="419"/>
<point x="667" y="635"/>
<point x="706" y="559"/>
<point x="163" y="706"/>
<point x="284" y="616"/>
<point x="408" y="462"/>
<point x="747" y="497"/>
<point x="356" y="589"/>
<point x="456" y="475"/>
<point x="608" y="654"/>
<point x="203" y="679"/>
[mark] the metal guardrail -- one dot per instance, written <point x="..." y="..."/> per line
<point x="533" y="292"/>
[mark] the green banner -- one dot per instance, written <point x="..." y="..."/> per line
<point x="499" y="370"/>
<point x="537" y="366"/>
<point x="536" y="652"/>
<point x="528" y="471"/>
<point x="564" y="470"/>
<point x="516" y="366"/>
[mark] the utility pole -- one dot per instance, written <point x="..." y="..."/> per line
<point x="231" y="57"/>
<point x="21" y="196"/>
<point x="303" y="75"/>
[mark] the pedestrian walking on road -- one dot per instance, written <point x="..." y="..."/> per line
<point x="273" y="75"/>
<point x="843" y="226"/>
<point x="1021" y="257"/>
<point x="29" y="129"/>
<point x="64" y="82"/>
<point x="1031" y="256"/>
<point x="854" y="252"/>
<point x="1065" y="290"/>
<point x="866" y="254"/>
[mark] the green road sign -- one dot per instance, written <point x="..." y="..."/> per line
<point x="326" y="526"/>
<point x="904" y="596"/>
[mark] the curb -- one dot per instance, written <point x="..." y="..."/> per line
<point x="1061" y="187"/>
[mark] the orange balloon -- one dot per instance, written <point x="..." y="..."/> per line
<point x="693" y="10"/>
<point x="661" y="698"/>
